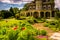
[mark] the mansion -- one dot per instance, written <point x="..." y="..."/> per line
<point x="40" y="8"/>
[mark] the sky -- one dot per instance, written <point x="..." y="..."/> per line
<point x="6" y="4"/>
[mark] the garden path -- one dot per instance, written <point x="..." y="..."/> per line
<point x="40" y="26"/>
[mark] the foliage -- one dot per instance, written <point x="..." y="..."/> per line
<point x="18" y="30"/>
<point x="54" y="25"/>
<point x="25" y="7"/>
<point x="9" y="13"/>
<point x="14" y="10"/>
<point x="31" y="20"/>
<point x="5" y="14"/>
<point x="46" y="24"/>
<point x="17" y="16"/>
<point x="57" y="13"/>
<point x="41" y="20"/>
<point x="43" y="32"/>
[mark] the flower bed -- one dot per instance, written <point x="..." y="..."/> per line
<point x="18" y="30"/>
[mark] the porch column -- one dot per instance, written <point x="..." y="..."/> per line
<point x="20" y="14"/>
<point x="32" y="14"/>
<point x="55" y="14"/>
<point x="39" y="14"/>
<point x="25" y="14"/>
<point x="50" y="14"/>
<point x="44" y="14"/>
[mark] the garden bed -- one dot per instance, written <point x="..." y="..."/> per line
<point x="18" y="30"/>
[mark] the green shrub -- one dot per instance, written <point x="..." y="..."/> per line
<point x="52" y="23"/>
<point x="46" y="24"/>
<point x="44" y="20"/>
<point x="12" y="35"/>
<point x="43" y="32"/>
<point x="3" y="31"/>
<point x="40" y="21"/>
<point x="31" y="21"/>
<point x="53" y="29"/>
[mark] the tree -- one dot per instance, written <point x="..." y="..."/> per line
<point x="0" y="15"/>
<point x="57" y="9"/>
<point x="14" y="10"/>
<point x="6" y="14"/>
<point x="11" y="10"/>
<point x="58" y="12"/>
<point x="25" y="7"/>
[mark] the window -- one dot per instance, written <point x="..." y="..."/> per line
<point x="33" y="7"/>
<point x="49" y="7"/>
<point x="44" y="7"/>
<point x="30" y="7"/>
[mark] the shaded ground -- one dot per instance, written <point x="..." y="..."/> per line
<point x="40" y="26"/>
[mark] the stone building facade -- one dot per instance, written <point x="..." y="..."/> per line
<point x="40" y="8"/>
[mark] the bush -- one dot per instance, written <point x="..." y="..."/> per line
<point x="3" y="37"/>
<point x="31" y="20"/>
<point x="0" y="18"/>
<point x="44" y="20"/>
<point x="41" y="20"/>
<point x="43" y="32"/>
<point x="46" y="25"/>
<point x="13" y="35"/>
<point x="52" y="23"/>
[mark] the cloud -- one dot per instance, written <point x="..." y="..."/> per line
<point x="6" y="4"/>
<point x="27" y="0"/>
<point x="15" y="1"/>
<point x="57" y="4"/>
<point x="5" y="1"/>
